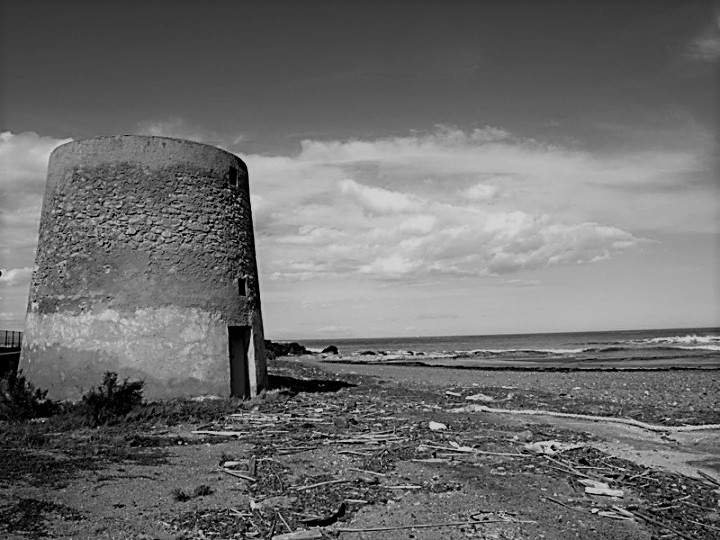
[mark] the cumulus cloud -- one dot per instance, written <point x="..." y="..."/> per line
<point x="481" y="192"/>
<point x="23" y="160"/>
<point x="379" y="200"/>
<point x="390" y="265"/>
<point x="456" y="239"/>
<point x="23" y="167"/>
<point x="421" y="206"/>
<point x="464" y="203"/>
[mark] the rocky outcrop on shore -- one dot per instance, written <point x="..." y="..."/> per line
<point x="275" y="349"/>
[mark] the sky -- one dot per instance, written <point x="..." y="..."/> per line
<point x="416" y="168"/>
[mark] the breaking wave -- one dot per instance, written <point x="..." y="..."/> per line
<point x="523" y="351"/>
<point x="688" y="342"/>
<point x="670" y="343"/>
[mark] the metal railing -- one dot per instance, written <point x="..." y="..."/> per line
<point x="10" y="339"/>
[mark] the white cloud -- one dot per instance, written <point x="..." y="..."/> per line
<point x="23" y="168"/>
<point x="481" y="192"/>
<point x="428" y="237"/>
<point x="24" y="159"/>
<point x="443" y="203"/>
<point x="418" y="224"/>
<point x="379" y="200"/>
<point x="466" y="203"/>
<point x="389" y="266"/>
<point x="15" y="276"/>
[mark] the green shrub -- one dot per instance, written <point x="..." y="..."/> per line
<point x="110" y="401"/>
<point x="20" y="400"/>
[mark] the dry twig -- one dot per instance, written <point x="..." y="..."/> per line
<point x="466" y="450"/>
<point x="708" y="478"/>
<point x="430" y="525"/>
<point x="661" y="524"/>
<point x="239" y="475"/>
<point x="593" y="418"/>
<point x="313" y="486"/>
<point x="365" y="471"/>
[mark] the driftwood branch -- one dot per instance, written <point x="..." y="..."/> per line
<point x="593" y="418"/>
<point x="313" y="486"/>
<point x="430" y="525"/>
<point x="465" y="450"/>
<point x="658" y="523"/>
<point x="708" y="478"/>
<point x="239" y="475"/>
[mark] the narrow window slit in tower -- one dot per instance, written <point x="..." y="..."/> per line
<point x="242" y="286"/>
<point x="233" y="177"/>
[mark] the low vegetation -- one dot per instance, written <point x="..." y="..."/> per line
<point x="110" y="401"/>
<point x="21" y="401"/>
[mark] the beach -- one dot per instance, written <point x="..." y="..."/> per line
<point x="408" y="270"/>
<point x="381" y="451"/>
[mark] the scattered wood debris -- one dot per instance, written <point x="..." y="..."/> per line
<point x="369" y="438"/>
<point x="591" y="417"/>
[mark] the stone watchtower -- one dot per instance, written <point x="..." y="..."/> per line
<point x="146" y="267"/>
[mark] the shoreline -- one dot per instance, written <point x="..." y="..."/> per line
<point x="690" y="396"/>
<point x="538" y="368"/>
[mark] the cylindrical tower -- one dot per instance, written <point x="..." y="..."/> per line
<point x="145" y="267"/>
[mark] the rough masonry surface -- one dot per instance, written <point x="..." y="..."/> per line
<point x="145" y="266"/>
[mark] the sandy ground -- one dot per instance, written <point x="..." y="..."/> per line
<point x="121" y="482"/>
<point x="677" y="397"/>
<point x="683" y="396"/>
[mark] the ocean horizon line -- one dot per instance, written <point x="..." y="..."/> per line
<point x="498" y="334"/>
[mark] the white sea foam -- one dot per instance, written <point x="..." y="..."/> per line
<point x="687" y="342"/>
<point x="690" y="342"/>
<point x="686" y="339"/>
<point x="527" y="351"/>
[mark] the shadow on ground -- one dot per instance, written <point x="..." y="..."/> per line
<point x="306" y="385"/>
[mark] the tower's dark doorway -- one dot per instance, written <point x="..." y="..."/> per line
<point x="239" y="343"/>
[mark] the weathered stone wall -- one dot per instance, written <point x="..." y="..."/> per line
<point x="142" y="243"/>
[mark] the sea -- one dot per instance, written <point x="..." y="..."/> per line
<point x="664" y="348"/>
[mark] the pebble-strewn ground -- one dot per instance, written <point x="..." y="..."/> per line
<point x="654" y="396"/>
